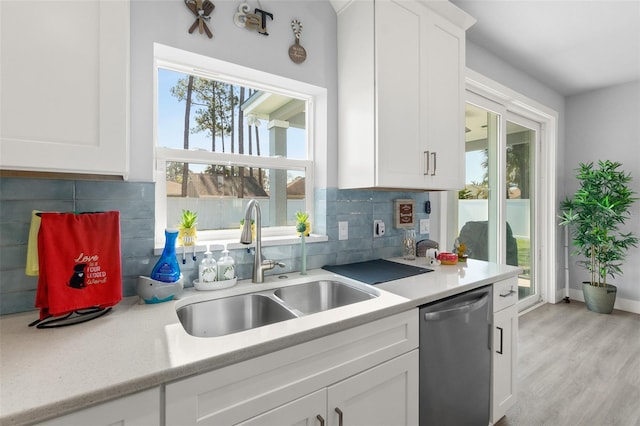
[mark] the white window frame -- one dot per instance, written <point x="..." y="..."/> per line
<point x="202" y="66"/>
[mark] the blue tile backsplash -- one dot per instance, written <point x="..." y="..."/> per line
<point x="135" y="201"/>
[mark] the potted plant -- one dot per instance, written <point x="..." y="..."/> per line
<point x="595" y="213"/>
<point x="302" y="218"/>
<point x="187" y="227"/>
<point x="303" y="227"/>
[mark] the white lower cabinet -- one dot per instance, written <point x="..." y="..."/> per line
<point x="505" y="339"/>
<point x="368" y="373"/>
<point x="308" y="410"/>
<point x="140" y="409"/>
<point x="383" y="395"/>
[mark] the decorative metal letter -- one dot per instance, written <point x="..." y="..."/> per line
<point x="252" y="21"/>
<point x="263" y="20"/>
<point x="240" y="18"/>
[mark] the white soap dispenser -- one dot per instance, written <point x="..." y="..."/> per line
<point x="226" y="266"/>
<point x="208" y="268"/>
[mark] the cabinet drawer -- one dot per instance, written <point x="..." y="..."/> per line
<point x="142" y="408"/>
<point x="505" y="293"/>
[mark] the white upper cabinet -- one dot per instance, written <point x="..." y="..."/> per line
<point x="64" y="81"/>
<point x="401" y="94"/>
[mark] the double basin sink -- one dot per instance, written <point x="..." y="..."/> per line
<point x="219" y="317"/>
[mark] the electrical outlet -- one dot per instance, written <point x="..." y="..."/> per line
<point x="378" y="228"/>
<point x="424" y="226"/>
<point x="343" y="230"/>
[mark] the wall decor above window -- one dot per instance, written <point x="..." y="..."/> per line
<point x="256" y="21"/>
<point x="297" y="53"/>
<point x="201" y="9"/>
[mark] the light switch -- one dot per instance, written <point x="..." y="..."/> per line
<point x="424" y="226"/>
<point x="343" y="230"/>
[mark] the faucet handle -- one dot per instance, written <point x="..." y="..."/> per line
<point x="270" y="264"/>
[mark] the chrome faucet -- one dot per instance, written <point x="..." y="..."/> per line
<point x="259" y="264"/>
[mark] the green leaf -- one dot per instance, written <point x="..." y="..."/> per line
<point x="188" y="219"/>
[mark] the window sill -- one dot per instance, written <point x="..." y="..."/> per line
<point x="219" y="245"/>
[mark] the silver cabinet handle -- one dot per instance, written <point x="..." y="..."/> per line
<point x="320" y="419"/>
<point x="509" y="293"/>
<point x="435" y="154"/>
<point x="501" y="335"/>
<point x="426" y="163"/>
<point x="340" y="416"/>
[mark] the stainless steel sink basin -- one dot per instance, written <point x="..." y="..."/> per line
<point x="219" y="317"/>
<point x="317" y="296"/>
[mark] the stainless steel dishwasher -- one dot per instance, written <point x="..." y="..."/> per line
<point x="455" y="359"/>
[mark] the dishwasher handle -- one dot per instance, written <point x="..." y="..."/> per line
<point x="471" y="306"/>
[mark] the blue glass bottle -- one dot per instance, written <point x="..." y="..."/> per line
<point x="167" y="269"/>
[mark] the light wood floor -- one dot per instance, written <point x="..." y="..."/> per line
<point x="576" y="367"/>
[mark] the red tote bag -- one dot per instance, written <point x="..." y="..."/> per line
<point x="79" y="261"/>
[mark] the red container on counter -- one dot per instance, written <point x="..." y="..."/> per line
<point x="448" y="258"/>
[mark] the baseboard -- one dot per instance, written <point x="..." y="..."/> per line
<point x="621" y="304"/>
<point x="560" y="295"/>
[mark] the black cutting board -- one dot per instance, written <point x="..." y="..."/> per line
<point x="376" y="271"/>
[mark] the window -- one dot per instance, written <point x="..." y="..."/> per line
<point x="224" y="135"/>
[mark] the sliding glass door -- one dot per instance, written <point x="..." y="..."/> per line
<point x="496" y="209"/>
<point x="477" y="209"/>
<point x="522" y="139"/>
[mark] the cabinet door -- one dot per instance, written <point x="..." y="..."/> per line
<point x="420" y="84"/>
<point x="383" y="395"/>
<point x="505" y="337"/>
<point x="142" y="409"/>
<point x="64" y="78"/>
<point x="305" y="411"/>
<point x="443" y="104"/>
<point x="399" y="28"/>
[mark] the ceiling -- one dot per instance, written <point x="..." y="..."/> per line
<point x="572" y="46"/>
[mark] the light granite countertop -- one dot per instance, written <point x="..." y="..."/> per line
<point x="45" y="373"/>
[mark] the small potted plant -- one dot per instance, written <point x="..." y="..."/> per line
<point x="302" y="228"/>
<point x="187" y="228"/>
<point x="302" y="218"/>
<point x="595" y="213"/>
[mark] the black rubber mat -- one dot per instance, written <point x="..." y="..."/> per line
<point x="376" y="271"/>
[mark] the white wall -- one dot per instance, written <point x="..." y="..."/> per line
<point x="167" y="22"/>
<point x="605" y="125"/>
